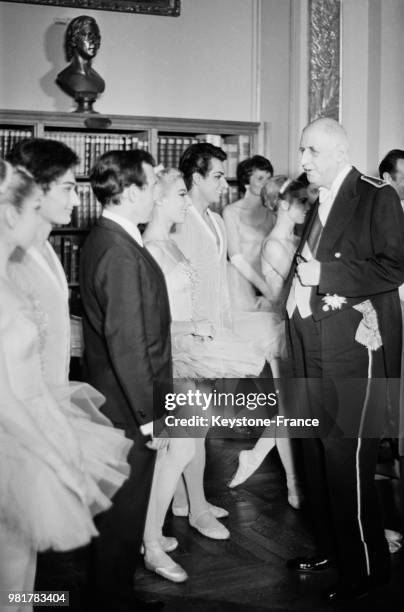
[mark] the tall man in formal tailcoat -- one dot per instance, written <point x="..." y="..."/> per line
<point x="391" y="169"/>
<point x="345" y="322"/>
<point x="126" y="321"/>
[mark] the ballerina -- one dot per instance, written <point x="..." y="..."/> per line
<point x="49" y="487"/>
<point x="277" y="254"/>
<point x="38" y="273"/>
<point x="200" y="350"/>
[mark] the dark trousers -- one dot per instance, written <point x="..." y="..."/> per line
<point x="64" y="571"/>
<point x="340" y="463"/>
<point x="101" y="575"/>
<point x="115" y="553"/>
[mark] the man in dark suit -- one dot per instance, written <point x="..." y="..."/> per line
<point x="345" y="323"/>
<point x="391" y="170"/>
<point x="126" y="321"/>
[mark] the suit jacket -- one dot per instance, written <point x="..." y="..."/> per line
<point x="361" y="251"/>
<point x="126" y="324"/>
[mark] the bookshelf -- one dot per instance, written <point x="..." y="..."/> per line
<point x="165" y="137"/>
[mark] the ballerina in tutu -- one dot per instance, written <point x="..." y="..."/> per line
<point x="49" y="488"/>
<point x="200" y="350"/>
<point x="277" y="254"/>
<point x="37" y="271"/>
<point x="39" y="275"/>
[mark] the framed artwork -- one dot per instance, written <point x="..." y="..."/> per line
<point x="150" y="7"/>
<point x="324" y="75"/>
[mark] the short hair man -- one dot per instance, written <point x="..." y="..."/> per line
<point x="126" y="324"/>
<point x="202" y="237"/>
<point x="391" y="169"/>
<point x="345" y="322"/>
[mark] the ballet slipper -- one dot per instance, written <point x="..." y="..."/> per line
<point x="247" y="464"/>
<point x="215" y="510"/>
<point x="167" y="543"/>
<point x="295" y="495"/>
<point x="394" y="540"/>
<point x="209" y="526"/>
<point x="157" y="561"/>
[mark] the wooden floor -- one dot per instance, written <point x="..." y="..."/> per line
<point x="247" y="573"/>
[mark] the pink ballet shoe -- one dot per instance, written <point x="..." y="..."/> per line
<point x="210" y="527"/>
<point x="215" y="510"/>
<point x="247" y="464"/>
<point x="167" y="543"/>
<point x="158" y="562"/>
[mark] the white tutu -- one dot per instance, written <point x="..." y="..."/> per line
<point x="265" y="329"/>
<point x="53" y="482"/>
<point x="41" y="503"/>
<point x="226" y="356"/>
<point x="104" y="449"/>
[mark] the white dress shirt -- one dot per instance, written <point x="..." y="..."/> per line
<point x="126" y="224"/>
<point x="300" y="294"/>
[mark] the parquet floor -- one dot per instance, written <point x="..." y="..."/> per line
<point x="247" y="573"/>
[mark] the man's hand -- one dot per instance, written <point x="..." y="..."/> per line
<point x="157" y="443"/>
<point x="309" y="273"/>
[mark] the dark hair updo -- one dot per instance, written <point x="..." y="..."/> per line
<point x="248" y="166"/>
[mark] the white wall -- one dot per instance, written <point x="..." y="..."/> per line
<point x="195" y="65"/>
<point x="221" y="59"/>
<point x="356" y="71"/>
<point x="275" y="60"/>
<point x="372" y="79"/>
<point x="392" y="77"/>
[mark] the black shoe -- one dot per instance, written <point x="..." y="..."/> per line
<point x="308" y="564"/>
<point x="341" y="592"/>
<point x="345" y="591"/>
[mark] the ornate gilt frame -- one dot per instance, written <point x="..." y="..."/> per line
<point x="324" y="46"/>
<point x="150" y="7"/>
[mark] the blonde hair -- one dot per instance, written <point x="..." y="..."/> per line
<point x="272" y="189"/>
<point x="16" y="184"/>
<point x="283" y="189"/>
<point x="166" y="177"/>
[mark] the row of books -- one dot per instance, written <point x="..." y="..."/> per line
<point x="9" y="137"/>
<point x="89" y="209"/>
<point x="67" y="249"/>
<point x="89" y="147"/>
<point x="170" y="149"/>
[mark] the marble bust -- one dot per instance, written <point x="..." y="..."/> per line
<point x="79" y="79"/>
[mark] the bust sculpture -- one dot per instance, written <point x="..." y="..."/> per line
<point x="79" y="79"/>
